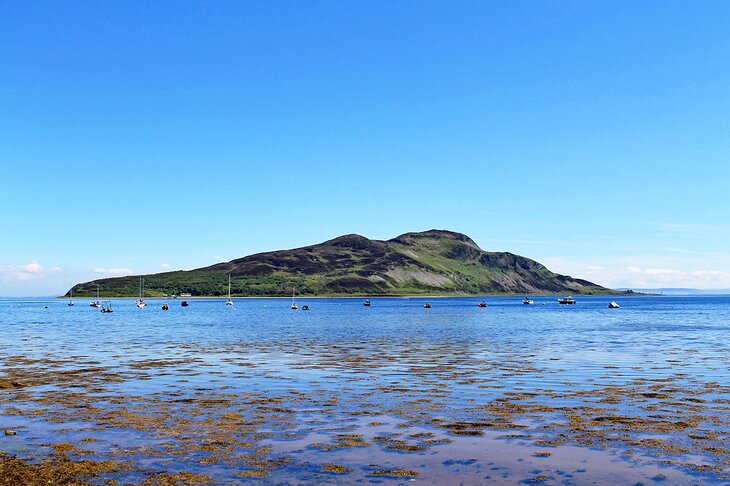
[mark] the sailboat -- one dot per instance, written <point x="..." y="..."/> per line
<point x="96" y="303"/>
<point x="140" y="302"/>
<point x="294" y="305"/>
<point x="229" y="301"/>
<point x="71" y="298"/>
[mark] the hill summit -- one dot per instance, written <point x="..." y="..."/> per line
<point x="434" y="262"/>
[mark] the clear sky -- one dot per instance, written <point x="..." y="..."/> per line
<point x="135" y="137"/>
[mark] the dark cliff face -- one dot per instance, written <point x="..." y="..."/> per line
<point x="434" y="261"/>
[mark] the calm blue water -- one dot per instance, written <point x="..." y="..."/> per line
<point x="454" y="354"/>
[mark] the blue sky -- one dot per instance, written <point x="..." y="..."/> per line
<point x="138" y="137"/>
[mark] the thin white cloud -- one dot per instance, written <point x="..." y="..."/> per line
<point x="33" y="267"/>
<point x="671" y="249"/>
<point x="113" y="272"/>
<point x="692" y="229"/>
<point x="594" y="269"/>
<point x="164" y="265"/>
<point x="674" y="277"/>
<point x="648" y="271"/>
<point x="31" y="271"/>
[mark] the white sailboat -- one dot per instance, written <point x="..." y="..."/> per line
<point x="229" y="301"/>
<point x="71" y="298"/>
<point x="140" y="301"/>
<point x="294" y="305"/>
<point x="96" y="303"/>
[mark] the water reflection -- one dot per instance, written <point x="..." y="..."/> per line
<point x="263" y="391"/>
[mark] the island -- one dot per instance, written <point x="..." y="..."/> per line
<point x="434" y="262"/>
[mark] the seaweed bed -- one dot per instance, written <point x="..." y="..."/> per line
<point x="120" y="408"/>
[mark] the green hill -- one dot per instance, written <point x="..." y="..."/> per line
<point x="431" y="262"/>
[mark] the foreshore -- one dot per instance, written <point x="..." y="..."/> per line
<point x="532" y="396"/>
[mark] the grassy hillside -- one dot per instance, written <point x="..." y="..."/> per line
<point x="430" y="262"/>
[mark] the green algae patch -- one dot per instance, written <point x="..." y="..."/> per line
<point x="252" y="474"/>
<point x="182" y="478"/>
<point x="540" y="478"/>
<point x="14" y="471"/>
<point x="396" y="473"/>
<point x="345" y="441"/>
<point x="335" y="469"/>
<point x="9" y="384"/>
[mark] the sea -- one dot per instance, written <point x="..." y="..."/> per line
<point x="390" y="393"/>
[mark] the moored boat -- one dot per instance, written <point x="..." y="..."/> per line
<point x="566" y="300"/>
<point x="140" y="301"/>
<point x="366" y="303"/>
<point x="426" y="306"/>
<point x="294" y="305"/>
<point x="527" y="301"/>
<point x="184" y="303"/>
<point x="96" y="303"/>
<point x="482" y="304"/>
<point x="229" y="301"/>
<point x="613" y="305"/>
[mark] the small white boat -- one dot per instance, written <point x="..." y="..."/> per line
<point x="294" y="305"/>
<point x="71" y="298"/>
<point x="96" y="303"/>
<point x="527" y="301"/>
<point x="229" y="301"/>
<point x="613" y="305"/>
<point x="140" y="301"/>
<point x="366" y="303"/>
<point x="566" y="300"/>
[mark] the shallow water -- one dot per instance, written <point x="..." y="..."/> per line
<point x="542" y="394"/>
